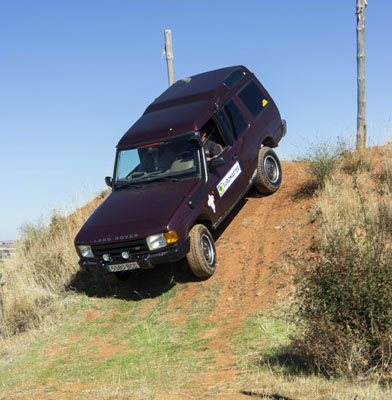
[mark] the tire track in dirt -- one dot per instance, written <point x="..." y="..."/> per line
<point x="253" y="272"/>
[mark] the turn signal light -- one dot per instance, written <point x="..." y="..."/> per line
<point x="171" y="237"/>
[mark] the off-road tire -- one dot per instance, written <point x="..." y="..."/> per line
<point x="202" y="254"/>
<point x="269" y="171"/>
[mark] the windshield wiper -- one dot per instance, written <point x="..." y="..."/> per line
<point x="161" y="178"/>
<point x="123" y="185"/>
<point x="138" y="183"/>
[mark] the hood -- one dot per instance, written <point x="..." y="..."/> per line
<point x="136" y="212"/>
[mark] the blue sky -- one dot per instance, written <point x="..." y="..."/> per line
<point x="75" y="75"/>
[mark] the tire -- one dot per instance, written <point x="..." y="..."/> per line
<point x="269" y="171"/>
<point x="202" y="254"/>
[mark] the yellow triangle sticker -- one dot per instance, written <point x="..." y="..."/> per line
<point x="265" y="102"/>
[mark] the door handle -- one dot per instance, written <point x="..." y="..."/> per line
<point x="234" y="157"/>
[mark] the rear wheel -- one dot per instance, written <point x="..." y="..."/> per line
<point x="269" y="171"/>
<point x="202" y="254"/>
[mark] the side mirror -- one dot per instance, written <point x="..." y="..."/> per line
<point x="109" y="181"/>
<point x="215" y="163"/>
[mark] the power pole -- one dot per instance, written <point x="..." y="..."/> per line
<point x="169" y="56"/>
<point x="361" y="75"/>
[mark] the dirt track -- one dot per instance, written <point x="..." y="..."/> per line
<point x="253" y="271"/>
<point x="251" y="265"/>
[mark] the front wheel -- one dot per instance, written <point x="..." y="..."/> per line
<point x="202" y="254"/>
<point x="269" y="171"/>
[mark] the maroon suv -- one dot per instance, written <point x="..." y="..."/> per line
<point x="180" y="170"/>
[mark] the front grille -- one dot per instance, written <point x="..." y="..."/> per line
<point x="133" y="247"/>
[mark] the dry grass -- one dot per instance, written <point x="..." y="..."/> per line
<point x="271" y="384"/>
<point x="344" y="292"/>
<point x="36" y="276"/>
<point x="355" y="202"/>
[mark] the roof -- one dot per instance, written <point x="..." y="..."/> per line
<point x="183" y="107"/>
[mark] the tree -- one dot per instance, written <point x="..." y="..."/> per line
<point x="361" y="75"/>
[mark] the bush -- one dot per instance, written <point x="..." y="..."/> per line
<point x="345" y="310"/>
<point x="323" y="160"/>
<point x="344" y="293"/>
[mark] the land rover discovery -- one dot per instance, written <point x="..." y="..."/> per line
<point x="168" y="195"/>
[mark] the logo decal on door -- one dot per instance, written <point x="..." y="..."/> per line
<point x="229" y="178"/>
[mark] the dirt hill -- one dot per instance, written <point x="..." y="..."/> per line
<point x="252" y="269"/>
<point x="253" y="273"/>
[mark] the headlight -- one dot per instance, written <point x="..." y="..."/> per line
<point x="160" y="240"/>
<point x="85" y="251"/>
<point x="156" y="241"/>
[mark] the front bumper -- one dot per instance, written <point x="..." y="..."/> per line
<point x="146" y="261"/>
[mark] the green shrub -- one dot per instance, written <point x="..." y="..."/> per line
<point x="344" y="313"/>
<point x="344" y="294"/>
<point x="323" y="160"/>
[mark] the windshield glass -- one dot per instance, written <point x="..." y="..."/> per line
<point x="169" y="160"/>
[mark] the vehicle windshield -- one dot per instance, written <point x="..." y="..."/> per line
<point x="165" y="160"/>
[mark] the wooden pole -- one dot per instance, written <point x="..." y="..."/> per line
<point x="169" y="56"/>
<point x="361" y="75"/>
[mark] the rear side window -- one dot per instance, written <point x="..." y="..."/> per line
<point x="237" y="120"/>
<point x="234" y="78"/>
<point x="253" y="98"/>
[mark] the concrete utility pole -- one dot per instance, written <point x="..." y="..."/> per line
<point x="169" y="56"/>
<point x="361" y="75"/>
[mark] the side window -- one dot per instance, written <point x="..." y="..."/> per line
<point x="234" y="78"/>
<point x="214" y="133"/>
<point x="253" y="98"/>
<point x="237" y="120"/>
<point x="226" y="126"/>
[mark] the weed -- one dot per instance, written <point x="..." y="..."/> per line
<point x="322" y="161"/>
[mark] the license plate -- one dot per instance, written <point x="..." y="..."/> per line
<point x="123" y="267"/>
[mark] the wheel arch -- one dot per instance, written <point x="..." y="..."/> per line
<point x="269" y="141"/>
<point x="203" y="219"/>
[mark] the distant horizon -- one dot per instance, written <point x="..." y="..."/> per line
<point x="7" y="243"/>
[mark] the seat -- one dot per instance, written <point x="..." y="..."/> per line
<point x="180" y="165"/>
